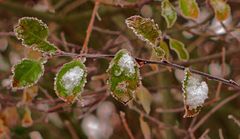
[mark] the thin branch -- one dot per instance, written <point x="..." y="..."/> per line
<point x="71" y="130"/>
<point x="234" y="119"/>
<point x="7" y="34"/>
<point x="125" y="124"/>
<point x="157" y="122"/>
<point x="90" y="26"/>
<point x="210" y="57"/>
<point x="173" y="110"/>
<point x="106" y="31"/>
<point x="220" y="133"/>
<point x="203" y="136"/>
<point x="162" y="63"/>
<point x="218" y="106"/>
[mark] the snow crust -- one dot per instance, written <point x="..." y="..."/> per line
<point x="127" y="63"/>
<point x="72" y="78"/>
<point x="197" y="92"/>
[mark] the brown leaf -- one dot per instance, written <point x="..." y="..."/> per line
<point x="145" y="128"/>
<point x="144" y="97"/>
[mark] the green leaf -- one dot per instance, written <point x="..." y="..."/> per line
<point x="34" y="33"/>
<point x="162" y="50"/>
<point x="179" y="48"/>
<point x="221" y="9"/>
<point x="124" y="76"/>
<point x="70" y="81"/>
<point x="144" y="28"/>
<point x="195" y="92"/>
<point x="26" y="73"/>
<point x="189" y="9"/>
<point x="169" y="13"/>
<point x="144" y="97"/>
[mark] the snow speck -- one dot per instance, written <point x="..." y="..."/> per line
<point x="197" y="92"/>
<point x="72" y="78"/>
<point x="127" y="63"/>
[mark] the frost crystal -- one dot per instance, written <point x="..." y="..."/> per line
<point x="127" y="63"/>
<point x="72" y="78"/>
<point x="197" y="92"/>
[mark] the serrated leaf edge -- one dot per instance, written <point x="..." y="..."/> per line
<point x="31" y="46"/>
<point x="13" y="69"/>
<point x="133" y="91"/>
<point x="139" y="35"/>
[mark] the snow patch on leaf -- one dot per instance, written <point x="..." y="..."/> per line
<point x="70" y="81"/>
<point x="195" y="92"/>
<point x="127" y="63"/>
<point x="72" y="78"/>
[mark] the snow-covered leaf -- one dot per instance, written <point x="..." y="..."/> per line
<point x="221" y="9"/>
<point x="144" y="28"/>
<point x="180" y="49"/>
<point x="189" y="9"/>
<point x="26" y="73"/>
<point x="70" y="81"/>
<point x="195" y="92"/>
<point x="124" y="76"/>
<point x="169" y="13"/>
<point x="145" y="128"/>
<point x="144" y="97"/>
<point x="34" y="33"/>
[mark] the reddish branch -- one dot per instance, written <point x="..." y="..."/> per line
<point x="124" y="121"/>
<point x="90" y="27"/>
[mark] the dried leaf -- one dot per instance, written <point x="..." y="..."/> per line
<point x="145" y="128"/>
<point x="10" y="116"/>
<point x="29" y="94"/>
<point x="144" y="97"/>
<point x="27" y="118"/>
<point x="4" y="131"/>
<point x="221" y="8"/>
